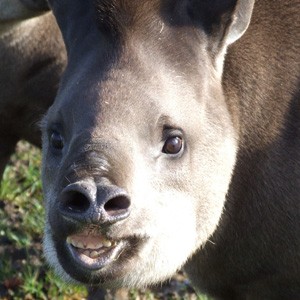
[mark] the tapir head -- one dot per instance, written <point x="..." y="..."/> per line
<point x="140" y="144"/>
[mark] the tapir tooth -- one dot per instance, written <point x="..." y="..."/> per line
<point x="94" y="246"/>
<point x="80" y="245"/>
<point x="89" y="245"/>
<point x="107" y="243"/>
<point x="94" y="254"/>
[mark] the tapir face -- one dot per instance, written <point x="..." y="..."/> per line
<point x="138" y="148"/>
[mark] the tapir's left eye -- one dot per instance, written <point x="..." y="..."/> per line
<point x="173" y="145"/>
<point x="56" y="140"/>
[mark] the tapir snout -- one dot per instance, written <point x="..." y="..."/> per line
<point x="85" y="201"/>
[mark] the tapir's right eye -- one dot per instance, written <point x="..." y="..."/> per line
<point x="56" y="140"/>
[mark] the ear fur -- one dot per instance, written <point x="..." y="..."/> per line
<point x="223" y="21"/>
<point x="228" y="18"/>
<point x="240" y="20"/>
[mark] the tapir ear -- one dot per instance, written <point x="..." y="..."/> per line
<point x="239" y="21"/>
<point x="224" y="21"/>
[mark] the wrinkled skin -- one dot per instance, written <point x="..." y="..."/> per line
<point x="163" y="151"/>
<point x="33" y="57"/>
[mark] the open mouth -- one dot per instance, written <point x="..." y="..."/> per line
<point x="93" y="251"/>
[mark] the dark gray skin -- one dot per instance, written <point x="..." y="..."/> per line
<point x="32" y="59"/>
<point x="174" y="142"/>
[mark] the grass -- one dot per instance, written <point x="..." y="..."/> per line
<point x="23" y="271"/>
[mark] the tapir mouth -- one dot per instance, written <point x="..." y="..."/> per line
<point x="93" y="251"/>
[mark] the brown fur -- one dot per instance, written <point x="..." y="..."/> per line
<point x="262" y="209"/>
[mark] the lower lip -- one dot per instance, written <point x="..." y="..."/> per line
<point x="104" y="259"/>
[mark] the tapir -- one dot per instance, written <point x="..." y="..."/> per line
<point x="32" y="59"/>
<point x="174" y="142"/>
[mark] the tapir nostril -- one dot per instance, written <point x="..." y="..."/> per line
<point x="74" y="201"/>
<point x="117" y="205"/>
<point x="82" y="201"/>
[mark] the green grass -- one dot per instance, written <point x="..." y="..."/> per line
<point x="23" y="271"/>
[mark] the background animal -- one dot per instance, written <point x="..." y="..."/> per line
<point x="32" y="59"/>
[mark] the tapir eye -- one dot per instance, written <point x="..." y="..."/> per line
<point x="173" y="145"/>
<point x="56" y="140"/>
